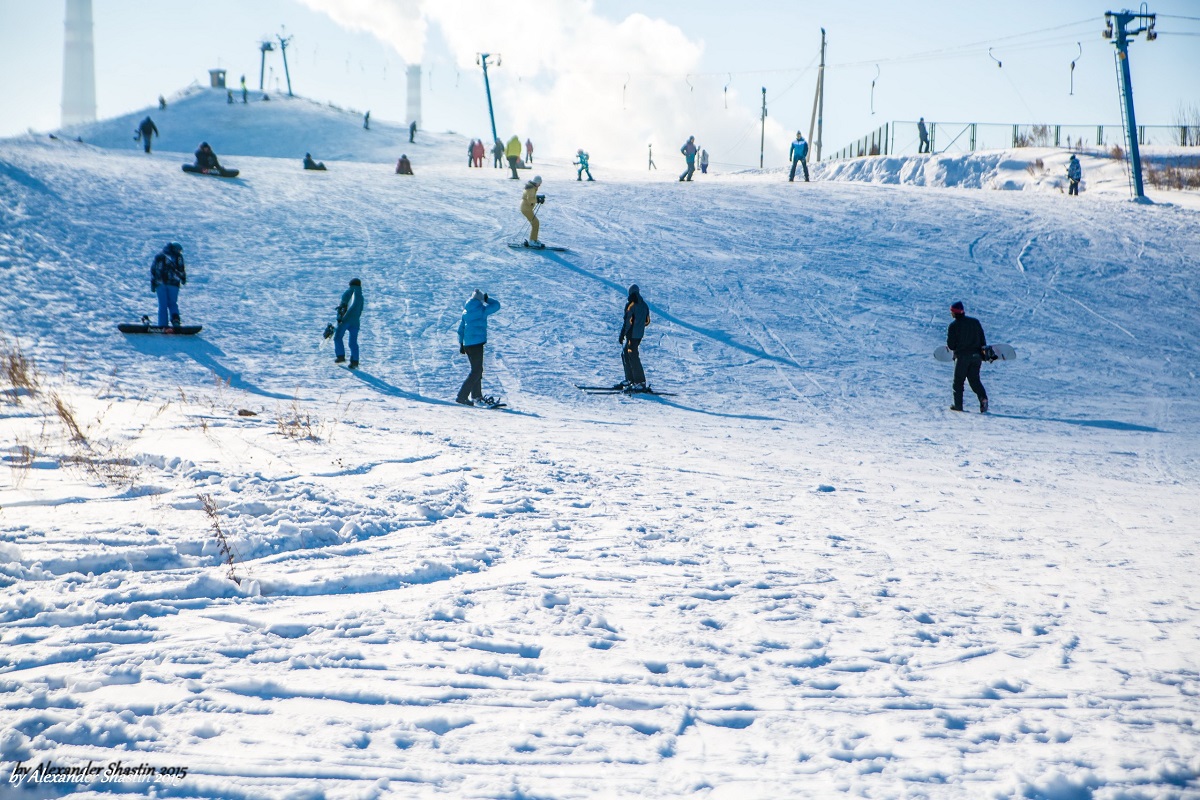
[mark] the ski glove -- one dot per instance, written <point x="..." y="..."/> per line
<point x="462" y="349"/>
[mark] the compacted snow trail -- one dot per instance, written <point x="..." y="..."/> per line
<point x="798" y="576"/>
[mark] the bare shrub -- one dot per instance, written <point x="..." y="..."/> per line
<point x="1177" y="175"/>
<point x="295" y="423"/>
<point x="228" y="556"/>
<point x="1116" y="153"/>
<point x="19" y="372"/>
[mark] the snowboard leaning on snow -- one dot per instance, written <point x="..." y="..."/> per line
<point x="993" y="352"/>
<point x="220" y="173"/>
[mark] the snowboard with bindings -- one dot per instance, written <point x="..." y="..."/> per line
<point x="523" y="246"/>
<point x="991" y="353"/>
<point x="180" y="330"/>
<point x="219" y="172"/>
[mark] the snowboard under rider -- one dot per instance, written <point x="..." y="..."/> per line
<point x="349" y="315"/>
<point x="167" y="274"/>
<point x="530" y="200"/>
<point x="472" y="336"/>
<point x="633" y="328"/>
<point x="965" y="338"/>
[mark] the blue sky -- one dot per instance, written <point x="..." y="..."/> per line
<point x="596" y="75"/>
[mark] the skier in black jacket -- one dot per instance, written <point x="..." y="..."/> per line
<point x="633" y="328"/>
<point x="965" y="338"/>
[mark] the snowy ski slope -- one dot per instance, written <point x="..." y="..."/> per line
<point x="801" y="576"/>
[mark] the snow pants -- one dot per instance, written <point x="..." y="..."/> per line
<point x="472" y="387"/>
<point x="966" y="369"/>
<point x="533" y="224"/>
<point x="802" y="162"/>
<point x="690" y="171"/>
<point x="632" y="362"/>
<point x="339" y="349"/>
<point x="1072" y="186"/>
<point x="168" y="304"/>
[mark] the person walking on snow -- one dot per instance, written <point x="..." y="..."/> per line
<point x="245" y="93"/>
<point x="147" y="129"/>
<point x="530" y="200"/>
<point x="703" y="162"/>
<point x="799" y="155"/>
<point x="349" y="315"/>
<point x="472" y="336"/>
<point x="498" y="154"/>
<point x="1074" y="175"/>
<point x="965" y="338"/>
<point x="367" y="121"/>
<point x="167" y="274"/>
<point x="582" y="163"/>
<point x="528" y="151"/>
<point x="633" y="328"/>
<point x="412" y="131"/>
<point x="923" y="132"/>
<point x="513" y="152"/>
<point x="689" y="153"/>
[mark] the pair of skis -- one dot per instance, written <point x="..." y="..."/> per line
<point x="619" y="389"/>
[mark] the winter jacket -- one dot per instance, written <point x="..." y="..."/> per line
<point x="148" y="128"/>
<point x="637" y="317"/>
<point x="351" y="308"/>
<point x="1074" y="171"/>
<point x="965" y="337"/>
<point x="799" y="150"/>
<point x="529" y="197"/>
<point x="689" y="150"/>
<point x="514" y="148"/>
<point x="583" y="160"/>
<point x="168" y="269"/>
<point x="207" y="159"/>
<point x="704" y="157"/>
<point x="472" y="328"/>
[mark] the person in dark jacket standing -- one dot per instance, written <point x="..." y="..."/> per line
<point x="965" y="338"/>
<point x="349" y="314"/>
<point x="167" y="274"/>
<point x="472" y="336"/>
<point x="633" y="328"/>
<point x="412" y="131"/>
<point x="923" y="134"/>
<point x="147" y="129"/>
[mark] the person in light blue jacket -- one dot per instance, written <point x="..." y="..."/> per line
<point x="799" y="155"/>
<point x="349" y="313"/>
<point x="1074" y="175"/>
<point x="472" y="336"/>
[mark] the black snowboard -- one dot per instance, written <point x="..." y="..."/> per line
<point x="220" y="172"/>
<point x="523" y="246"/>
<point x="182" y="330"/>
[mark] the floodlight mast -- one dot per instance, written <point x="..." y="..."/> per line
<point x="265" y="47"/>
<point x="1122" y="20"/>
<point x="283" y="43"/>
<point x="482" y="59"/>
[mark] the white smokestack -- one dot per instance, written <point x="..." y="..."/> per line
<point x="414" y="95"/>
<point x="79" y="65"/>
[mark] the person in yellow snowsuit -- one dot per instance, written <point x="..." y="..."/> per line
<point x="512" y="151"/>
<point x="529" y="202"/>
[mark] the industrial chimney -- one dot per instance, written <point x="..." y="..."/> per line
<point x="414" y="95"/>
<point x="79" y="65"/>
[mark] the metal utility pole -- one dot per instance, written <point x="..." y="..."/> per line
<point x="283" y="43"/>
<point x="818" y="117"/>
<point x="762" y="138"/>
<point x="481" y="58"/>
<point x="1145" y="21"/>
<point x="265" y="47"/>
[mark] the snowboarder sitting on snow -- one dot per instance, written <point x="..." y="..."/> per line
<point x="472" y="336"/>
<point x="582" y="163"/>
<point x="167" y="274"/>
<point x="799" y="155"/>
<point x="146" y="129"/>
<point x="404" y="166"/>
<point x="349" y="312"/>
<point x="633" y="328"/>
<point x="206" y="158"/>
<point x="1074" y="175"/>
<point x="966" y="340"/>
<point x="530" y="200"/>
<point x="689" y="153"/>
<point x="310" y="164"/>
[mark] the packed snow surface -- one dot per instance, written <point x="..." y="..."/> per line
<point x="798" y="576"/>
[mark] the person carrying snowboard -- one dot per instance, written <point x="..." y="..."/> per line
<point x="147" y="129"/>
<point x="799" y="155"/>
<point x="689" y="154"/>
<point x="167" y="274"/>
<point x="349" y="314"/>
<point x="1074" y="175"/>
<point x="582" y="163"/>
<point x="965" y="338"/>
<point x="530" y="200"/>
<point x="633" y="328"/>
<point x="472" y="336"/>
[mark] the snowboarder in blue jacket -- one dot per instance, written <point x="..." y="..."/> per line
<point x="798" y="155"/>
<point x="472" y="336"/>
<point x="167" y="274"/>
<point x="349" y="314"/>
